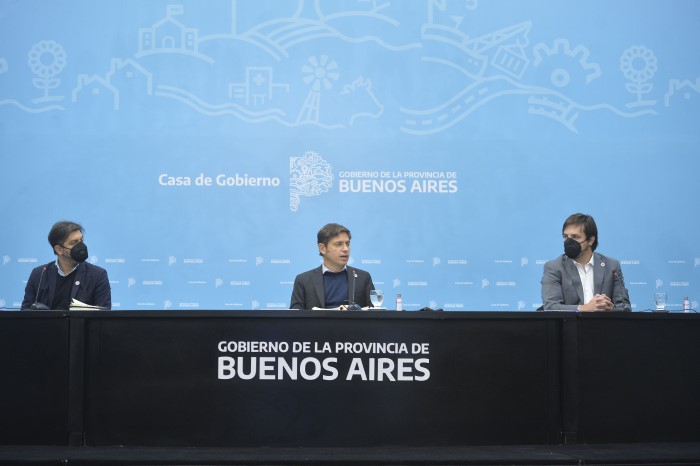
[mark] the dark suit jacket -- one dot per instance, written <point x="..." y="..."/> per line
<point x="562" y="288"/>
<point x="308" y="289"/>
<point x="91" y="286"/>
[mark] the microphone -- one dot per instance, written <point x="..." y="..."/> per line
<point x="352" y="305"/>
<point x="37" y="306"/>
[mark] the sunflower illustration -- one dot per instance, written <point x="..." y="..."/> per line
<point x="47" y="59"/>
<point x="638" y="64"/>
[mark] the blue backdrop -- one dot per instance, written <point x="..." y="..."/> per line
<point x="202" y="144"/>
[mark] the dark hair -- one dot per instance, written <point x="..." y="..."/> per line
<point x="331" y="231"/>
<point x="60" y="232"/>
<point x="589" y="226"/>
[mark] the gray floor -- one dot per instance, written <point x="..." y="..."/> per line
<point x="613" y="454"/>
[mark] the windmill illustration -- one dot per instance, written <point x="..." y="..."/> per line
<point x="319" y="74"/>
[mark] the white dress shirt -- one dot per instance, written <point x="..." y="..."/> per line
<point x="585" y="272"/>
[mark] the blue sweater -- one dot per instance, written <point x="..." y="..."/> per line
<point x="335" y="288"/>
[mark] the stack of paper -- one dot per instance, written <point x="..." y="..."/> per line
<point x="76" y="305"/>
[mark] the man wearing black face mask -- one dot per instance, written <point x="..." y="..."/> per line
<point x="582" y="279"/>
<point x="54" y="285"/>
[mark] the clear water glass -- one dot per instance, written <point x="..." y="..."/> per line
<point x="660" y="298"/>
<point x="377" y="298"/>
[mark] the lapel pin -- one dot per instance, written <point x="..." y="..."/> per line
<point x="77" y="283"/>
<point x="602" y="264"/>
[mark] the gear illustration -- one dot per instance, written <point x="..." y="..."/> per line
<point x="567" y="65"/>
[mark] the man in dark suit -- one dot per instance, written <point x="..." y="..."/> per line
<point x="56" y="284"/>
<point x="333" y="284"/>
<point x="582" y="279"/>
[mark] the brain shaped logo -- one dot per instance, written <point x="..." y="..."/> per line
<point x="309" y="175"/>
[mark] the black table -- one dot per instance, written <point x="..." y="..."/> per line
<point x="418" y="379"/>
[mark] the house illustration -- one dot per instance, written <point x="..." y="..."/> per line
<point x="686" y="88"/>
<point x="96" y="89"/>
<point x="124" y="76"/>
<point x="169" y="35"/>
<point x="129" y="75"/>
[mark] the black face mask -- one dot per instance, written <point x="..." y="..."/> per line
<point x="79" y="252"/>
<point x="572" y="248"/>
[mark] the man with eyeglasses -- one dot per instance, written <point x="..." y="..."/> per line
<point x="581" y="279"/>
<point x="68" y="277"/>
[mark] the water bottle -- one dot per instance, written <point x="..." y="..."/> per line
<point x="399" y="302"/>
<point x="686" y="304"/>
